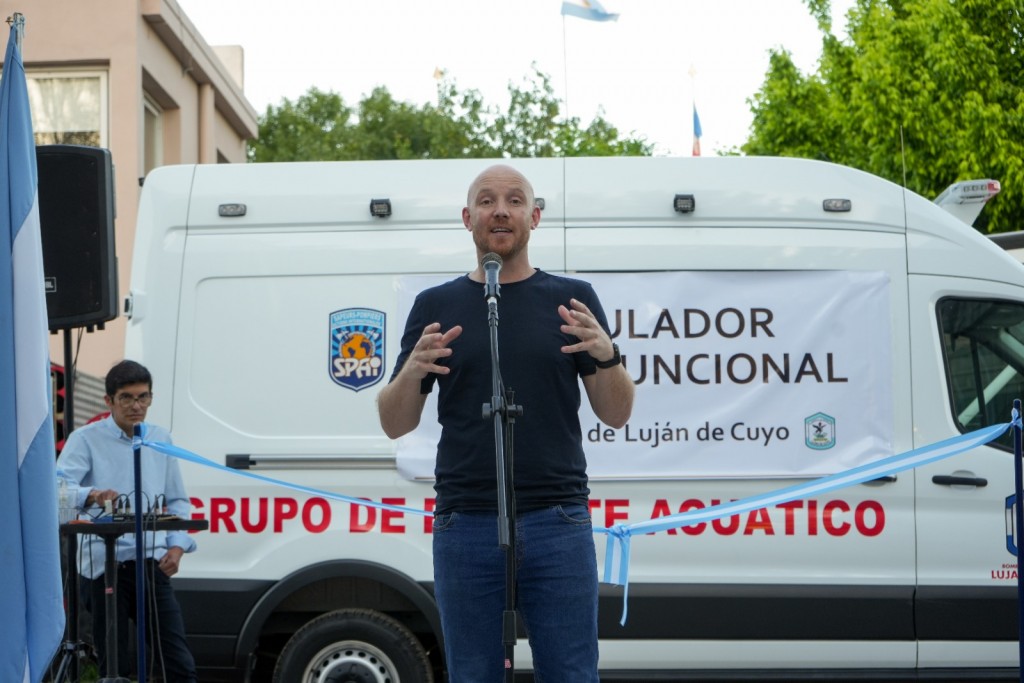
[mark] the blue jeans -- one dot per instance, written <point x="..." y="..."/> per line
<point x="556" y="573"/>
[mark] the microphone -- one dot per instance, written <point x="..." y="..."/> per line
<point x="492" y="266"/>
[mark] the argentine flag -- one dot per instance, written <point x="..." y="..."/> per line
<point x="590" y="9"/>
<point x="31" y="601"/>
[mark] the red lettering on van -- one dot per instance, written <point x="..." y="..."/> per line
<point x="812" y="518"/>
<point x="261" y="521"/>
<point x="830" y="526"/>
<point x="361" y="518"/>
<point x="693" y="529"/>
<point x="758" y="520"/>
<point x="197" y="507"/>
<point x="388" y="523"/>
<point x="612" y="514"/>
<point x="860" y="517"/>
<point x="661" y="509"/>
<point x="868" y="518"/>
<point x="726" y="526"/>
<point x="221" y="510"/>
<point x="308" y="508"/>
<point x="256" y="515"/>
<point x="428" y="520"/>
<point x="284" y="508"/>
<point x="790" y="508"/>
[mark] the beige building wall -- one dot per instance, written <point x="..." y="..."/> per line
<point x="159" y="71"/>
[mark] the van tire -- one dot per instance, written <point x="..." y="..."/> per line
<point x="356" y="645"/>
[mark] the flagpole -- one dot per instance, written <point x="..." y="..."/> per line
<point x="438" y="77"/>
<point x="565" y="68"/>
<point x="17" y="20"/>
<point x="591" y="10"/>
<point x="693" y="84"/>
<point x="696" y="122"/>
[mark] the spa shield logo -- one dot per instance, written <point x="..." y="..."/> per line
<point x="356" y="347"/>
<point x="820" y="431"/>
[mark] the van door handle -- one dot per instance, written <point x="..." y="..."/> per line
<point x="952" y="480"/>
<point x="878" y="481"/>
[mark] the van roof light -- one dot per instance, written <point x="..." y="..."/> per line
<point x="969" y="190"/>
<point x="837" y="205"/>
<point x="966" y="199"/>
<point x="684" y="203"/>
<point x="380" y="208"/>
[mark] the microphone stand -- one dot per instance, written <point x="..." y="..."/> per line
<point x="503" y="412"/>
<point x="140" y="556"/>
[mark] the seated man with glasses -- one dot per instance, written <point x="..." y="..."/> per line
<point x="98" y="459"/>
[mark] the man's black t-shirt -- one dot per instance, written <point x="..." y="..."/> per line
<point x="549" y="464"/>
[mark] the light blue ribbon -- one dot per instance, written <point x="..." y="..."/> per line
<point x="616" y="561"/>
<point x="616" y="565"/>
<point x="182" y="454"/>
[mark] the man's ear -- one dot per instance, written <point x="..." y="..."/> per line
<point x="109" y="401"/>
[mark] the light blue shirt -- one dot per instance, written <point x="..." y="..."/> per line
<point x="100" y="456"/>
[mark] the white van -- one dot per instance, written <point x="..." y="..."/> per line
<point x="784" y="319"/>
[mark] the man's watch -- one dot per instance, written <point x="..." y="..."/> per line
<point x="611" y="362"/>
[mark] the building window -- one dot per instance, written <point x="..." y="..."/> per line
<point x="69" y="107"/>
<point x="153" y="143"/>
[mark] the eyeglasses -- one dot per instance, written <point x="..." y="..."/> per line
<point x="126" y="400"/>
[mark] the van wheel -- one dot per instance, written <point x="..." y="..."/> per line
<point x="353" y="646"/>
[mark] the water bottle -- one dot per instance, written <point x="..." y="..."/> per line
<point x="65" y="500"/>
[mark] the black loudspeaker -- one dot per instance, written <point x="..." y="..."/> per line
<point x="76" y="217"/>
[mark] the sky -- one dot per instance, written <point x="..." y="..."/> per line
<point x="644" y="73"/>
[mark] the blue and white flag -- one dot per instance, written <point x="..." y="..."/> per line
<point x="31" y="601"/>
<point x="696" y="132"/>
<point x="589" y="9"/>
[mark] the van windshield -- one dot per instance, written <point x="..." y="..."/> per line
<point x="983" y="347"/>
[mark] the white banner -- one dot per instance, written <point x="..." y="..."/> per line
<point x="739" y="374"/>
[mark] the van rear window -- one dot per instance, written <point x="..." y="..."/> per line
<point x="983" y="347"/>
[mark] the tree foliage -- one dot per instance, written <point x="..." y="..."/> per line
<point x="320" y="126"/>
<point x="929" y="90"/>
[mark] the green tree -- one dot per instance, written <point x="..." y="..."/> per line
<point x="926" y="90"/>
<point x="532" y="127"/>
<point x="319" y="126"/>
<point x="316" y="126"/>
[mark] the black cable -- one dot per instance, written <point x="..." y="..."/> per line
<point x="154" y="612"/>
<point x="90" y="647"/>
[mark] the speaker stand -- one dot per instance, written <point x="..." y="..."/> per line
<point x="69" y="386"/>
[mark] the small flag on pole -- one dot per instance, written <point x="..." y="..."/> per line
<point x="588" y="9"/>
<point x="696" y="132"/>
<point x="31" y="601"/>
